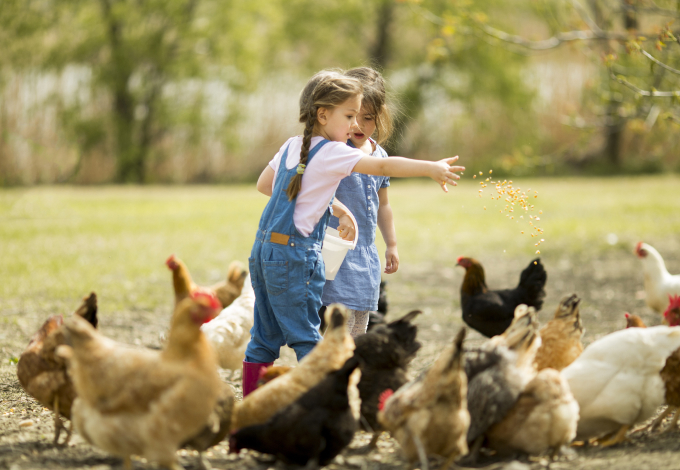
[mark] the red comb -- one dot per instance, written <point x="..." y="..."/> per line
<point x="673" y="304"/>
<point x="207" y="300"/>
<point x="627" y="315"/>
<point x="384" y="396"/>
<point x="171" y="262"/>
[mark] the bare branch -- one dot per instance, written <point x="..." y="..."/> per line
<point x="658" y="62"/>
<point x="641" y="92"/>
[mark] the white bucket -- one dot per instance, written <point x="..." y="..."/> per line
<point x="334" y="251"/>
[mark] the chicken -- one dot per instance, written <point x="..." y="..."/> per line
<point x="672" y="314"/>
<point x="330" y="354"/>
<point x="497" y="372"/>
<point x="561" y="336"/>
<point x="218" y="426"/>
<point x="429" y="416"/>
<point x="491" y="311"/>
<point x="385" y="353"/>
<point x="43" y="374"/>
<point x="659" y="283"/>
<point x="313" y="429"/>
<point x="634" y="321"/>
<point x="616" y="380"/>
<point x="543" y="418"/>
<point x="229" y="332"/>
<point x="225" y="291"/>
<point x="270" y="373"/>
<point x="139" y="401"/>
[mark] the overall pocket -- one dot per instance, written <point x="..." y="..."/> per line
<point x="275" y="276"/>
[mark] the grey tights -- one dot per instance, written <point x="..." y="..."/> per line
<point x="357" y="322"/>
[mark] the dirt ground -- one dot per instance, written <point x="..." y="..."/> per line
<point x="610" y="283"/>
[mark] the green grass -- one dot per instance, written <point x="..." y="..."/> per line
<point x="56" y="243"/>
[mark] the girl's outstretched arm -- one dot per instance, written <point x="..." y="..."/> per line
<point x="389" y="234"/>
<point x="441" y="171"/>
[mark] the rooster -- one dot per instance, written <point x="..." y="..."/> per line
<point x="225" y="291"/>
<point x="43" y="374"/>
<point x="229" y="332"/>
<point x="314" y="428"/>
<point x="429" y="414"/>
<point x="328" y="355"/>
<point x="143" y="402"/>
<point x="561" y="336"/>
<point x="659" y="283"/>
<point x="491" y="311"/>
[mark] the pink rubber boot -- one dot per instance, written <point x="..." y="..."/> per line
<point x="251" y="374"/>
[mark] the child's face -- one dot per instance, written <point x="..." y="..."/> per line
<point x="335" y="123"/>
<point x="365" y="127"/>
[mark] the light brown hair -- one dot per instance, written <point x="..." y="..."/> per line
<point x="375" y="99"/>
<point x="326" y="89"/>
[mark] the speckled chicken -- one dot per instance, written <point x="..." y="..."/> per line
<point x="543" y="418"/>
<point x="497" y="372"/>
<point x="561" y="337"/>
<point x="617" y="380"/>
<point x="43" y="374"/>
<point x="328" y="355"/>
<point x="429" y="416"/>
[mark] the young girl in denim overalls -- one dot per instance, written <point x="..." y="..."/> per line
<point x="357" y="283"/>
<point x="286" y="267"/>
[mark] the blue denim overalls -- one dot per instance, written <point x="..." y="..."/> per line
<point x="288" y="275"/>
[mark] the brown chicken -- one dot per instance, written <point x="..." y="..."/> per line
<point x="634" y="321"/>
<point x="561" y="336"/>
<point x="226" y="291"/>
<point x="142" y="402"/>
<point x="43" y="374"/>
<point x="544" y="418"/>
<point x="429" y="416"/>
<point x="329" y="355"/>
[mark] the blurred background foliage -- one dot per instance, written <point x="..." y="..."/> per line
<point x="190" y="91"/>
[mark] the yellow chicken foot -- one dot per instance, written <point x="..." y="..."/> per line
<point x="203" y="462"/>
<point x="422" y="455"/>
<point x="58" y="425"/>
<point x="657" y="421"/>
<point x="619" y="437"/>
<point x="448" y="462"/>
<point x="674" y="420"/>
<point x="374" y="440"/>
<point x="127" y="463"/>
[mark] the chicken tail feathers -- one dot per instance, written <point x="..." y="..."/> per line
<point x="88" y="309"/>
<point x="532" y="281"/>
<point x="457" y="356"/>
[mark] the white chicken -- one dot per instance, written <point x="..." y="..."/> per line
<point x="616" y="380"/>
<point x="229" y="332"/>
<point x="659" y="283"/>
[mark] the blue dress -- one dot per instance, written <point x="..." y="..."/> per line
<point x="357" y="283"/>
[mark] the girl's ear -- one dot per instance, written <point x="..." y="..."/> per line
<point x="322" y="116"/>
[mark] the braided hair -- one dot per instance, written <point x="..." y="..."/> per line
<point x="375" y="99"/>
<point x="326" y="89"/>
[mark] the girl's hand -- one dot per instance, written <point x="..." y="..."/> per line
<point x="391" y="260"/>
<point x="443" y="172"/>
<point x="346" y="228"/>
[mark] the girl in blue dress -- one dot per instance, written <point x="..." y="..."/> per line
<point x="357" y="283"/>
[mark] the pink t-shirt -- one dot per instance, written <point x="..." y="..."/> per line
<point x="323" y="174"/>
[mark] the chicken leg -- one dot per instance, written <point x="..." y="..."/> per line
<point x="674" y="420"/>
<point x="619" y="437"/>
<point x="422" y="455"/>
<point x="59" y="425"/>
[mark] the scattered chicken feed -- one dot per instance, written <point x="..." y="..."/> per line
<point x="517" y="204"/>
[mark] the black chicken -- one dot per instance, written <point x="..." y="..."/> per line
<point x="385" y="354"/>
<point x="491" y="311"/>
<point x="315" y="427"/>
